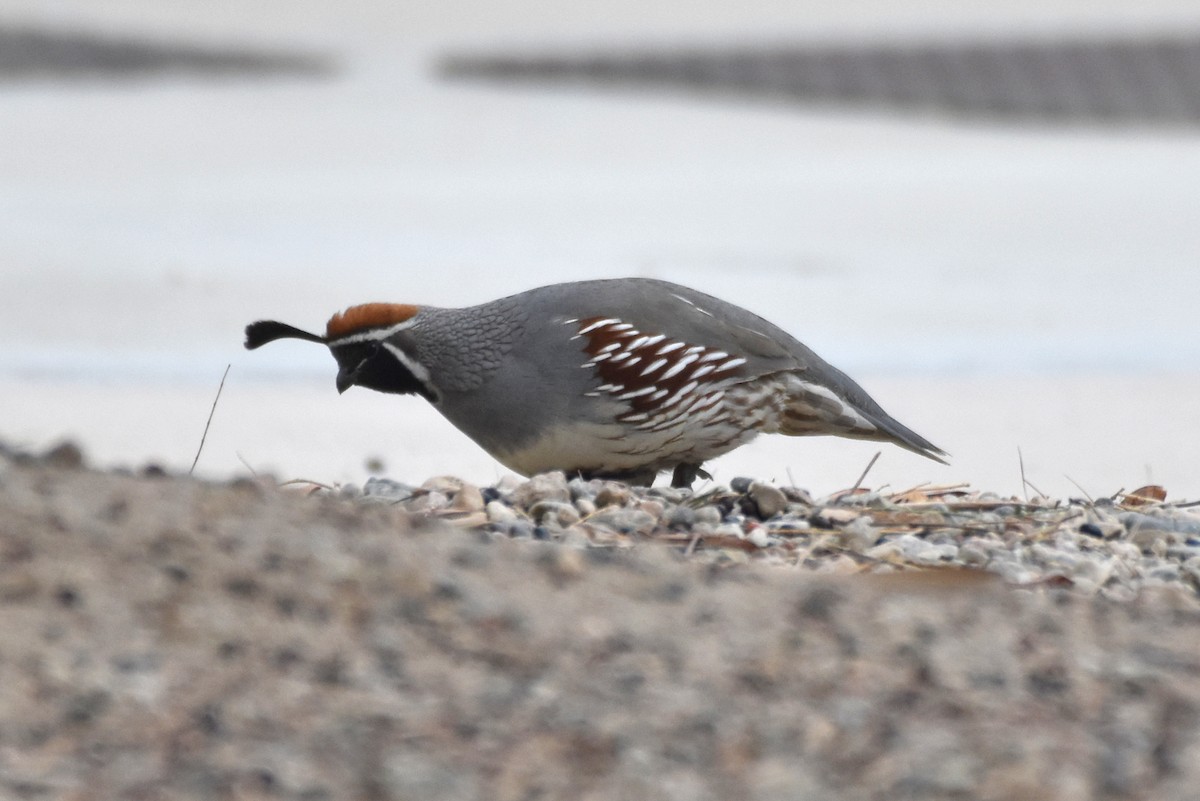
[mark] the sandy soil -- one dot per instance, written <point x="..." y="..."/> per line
<point x="167" y="638"/>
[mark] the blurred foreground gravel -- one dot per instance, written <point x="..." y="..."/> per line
<point x="170" y="639"/>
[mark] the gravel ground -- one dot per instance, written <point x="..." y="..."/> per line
<point x="168" y="638"/>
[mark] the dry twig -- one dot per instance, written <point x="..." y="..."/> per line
<point x="870" y="464"/>
<point x="208" y="423"/>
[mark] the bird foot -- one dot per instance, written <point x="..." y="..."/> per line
<point x="685" y="474"/>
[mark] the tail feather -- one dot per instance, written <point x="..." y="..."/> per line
<point x="816" y="409"/>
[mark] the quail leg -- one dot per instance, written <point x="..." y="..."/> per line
<point x="685" y="474"/>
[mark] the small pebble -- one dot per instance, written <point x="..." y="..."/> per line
<point x="428" y="502"/>
<point x="681" y="517"/>
<point x="669" y="495"/>
<point x="468" y="498"/>
<point x="769" y="499"/>
<point x="65" y="455"/>
<point x="653" y="508"/>
<point x="520" y="530"/>
<point x="625" y="520"/>
<point x="544" y="487"/>
<point x="859" y="534"/>
<point x="386" y="489"/>
<point x="759" y="537"/>
<point x="447" y="485"/>
<point x="580" y="489"/>
<point x="612" y="494"/>
<point x="554" y="513"/>
<point x="500" y="513"/>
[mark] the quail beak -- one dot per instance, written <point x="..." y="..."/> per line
<point x="345" y="379"/>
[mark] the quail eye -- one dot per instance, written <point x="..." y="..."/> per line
<point x="372" y="352"/>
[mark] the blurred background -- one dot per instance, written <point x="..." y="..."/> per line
<point x="986" y="213"/>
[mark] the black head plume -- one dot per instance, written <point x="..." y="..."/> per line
<point x="264" y="331"/>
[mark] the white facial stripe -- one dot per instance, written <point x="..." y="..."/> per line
<point x="416" y="368"/>
<point x="373" y="334"/>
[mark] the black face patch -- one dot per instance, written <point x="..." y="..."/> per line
<point x="371" y="365"/>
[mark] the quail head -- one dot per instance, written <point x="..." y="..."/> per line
<point x="618" y="378"/>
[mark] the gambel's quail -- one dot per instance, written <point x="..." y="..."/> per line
<point x="617" y="378"/>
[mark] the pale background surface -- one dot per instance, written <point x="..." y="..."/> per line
<point x="992" y="287"/>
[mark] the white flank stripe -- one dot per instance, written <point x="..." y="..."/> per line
<point x="714" y="356"/>
<point x="637" y="343"/>
<point x="587" y="329"/>
<point x="625" y="327"/>
<point x="695" y="349"/>
<point x="637" y="393"/>
<point x="654" y="340"/>
<point x="688" y="389"/>
<point x="702" y="371"/>
<point x="678" y="367"/>
<point x="737" y="361"/>
<point x="662" y="393"/>
<point x="610" y="346"/>
<point x="654" y="365"/>
<point x="601" y="357"/>
<point x="672" y="346"/>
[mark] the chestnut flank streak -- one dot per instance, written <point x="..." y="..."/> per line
<point x="652" y="372"/>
